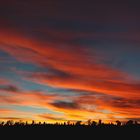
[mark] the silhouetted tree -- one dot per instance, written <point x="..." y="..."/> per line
<point x="68" y="122"/>
<point x="10" y="122"/>
<point x="33" y="122"/>
<point x="2" y="123"/>
<point x="100" y="122"/>
<point x="78" y="122"/>
<point x="136" y="123"/>
<point x="130" y="122"/>
<point x="93" y="123"/>
<point x="89" y="122"/>
<point x="118" y="123"/>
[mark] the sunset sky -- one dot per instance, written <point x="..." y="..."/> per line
<point x="69" y="60"/>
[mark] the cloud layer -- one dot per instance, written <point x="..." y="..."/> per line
<point x="74" y="65"/>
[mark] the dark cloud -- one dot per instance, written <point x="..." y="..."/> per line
<point x="50" y="117"/>
<point x="62" y="8"/>
<point x="10" y="118"/>
<point x="9" y="88"/>
<point x="66" y="105"/>
<point x="122" y="102"/>
<point x="59" y="73"/>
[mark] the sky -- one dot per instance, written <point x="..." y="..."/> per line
<point x="69" y="60"/>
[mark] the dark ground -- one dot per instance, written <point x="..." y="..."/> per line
<point x="51" y="132"/>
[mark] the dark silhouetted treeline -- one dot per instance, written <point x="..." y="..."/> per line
<point x="69" y="130"/>
<point x="88" y="124"/>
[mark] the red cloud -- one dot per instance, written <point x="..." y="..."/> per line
<point x="86" y="73"/>
<point x="70" y="67"/>
<point x="88" y="83"/>
<point x="4" y="81"/>
<point x="27" y="99"/>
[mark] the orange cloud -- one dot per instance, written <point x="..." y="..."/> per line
<point x="51" y="117"/>
<point x="27" y="99"/>
<point x="11" y="114"/>
<point x="88" y="83"/>
<point x="78" y="71"/>
<point x="70" y="67"/>
<point x="113" y="107"/>
<point x="5" y="111"/>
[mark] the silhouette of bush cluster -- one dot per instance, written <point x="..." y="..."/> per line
<point x="89" y="123"/>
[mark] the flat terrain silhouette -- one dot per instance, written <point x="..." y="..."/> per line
<point x="68" y="130"/>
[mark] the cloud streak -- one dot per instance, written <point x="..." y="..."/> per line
<point x="65" y="69"/>
<point x="83" y="73"/>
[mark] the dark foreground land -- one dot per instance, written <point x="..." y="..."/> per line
<point x="72" y="132"/>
